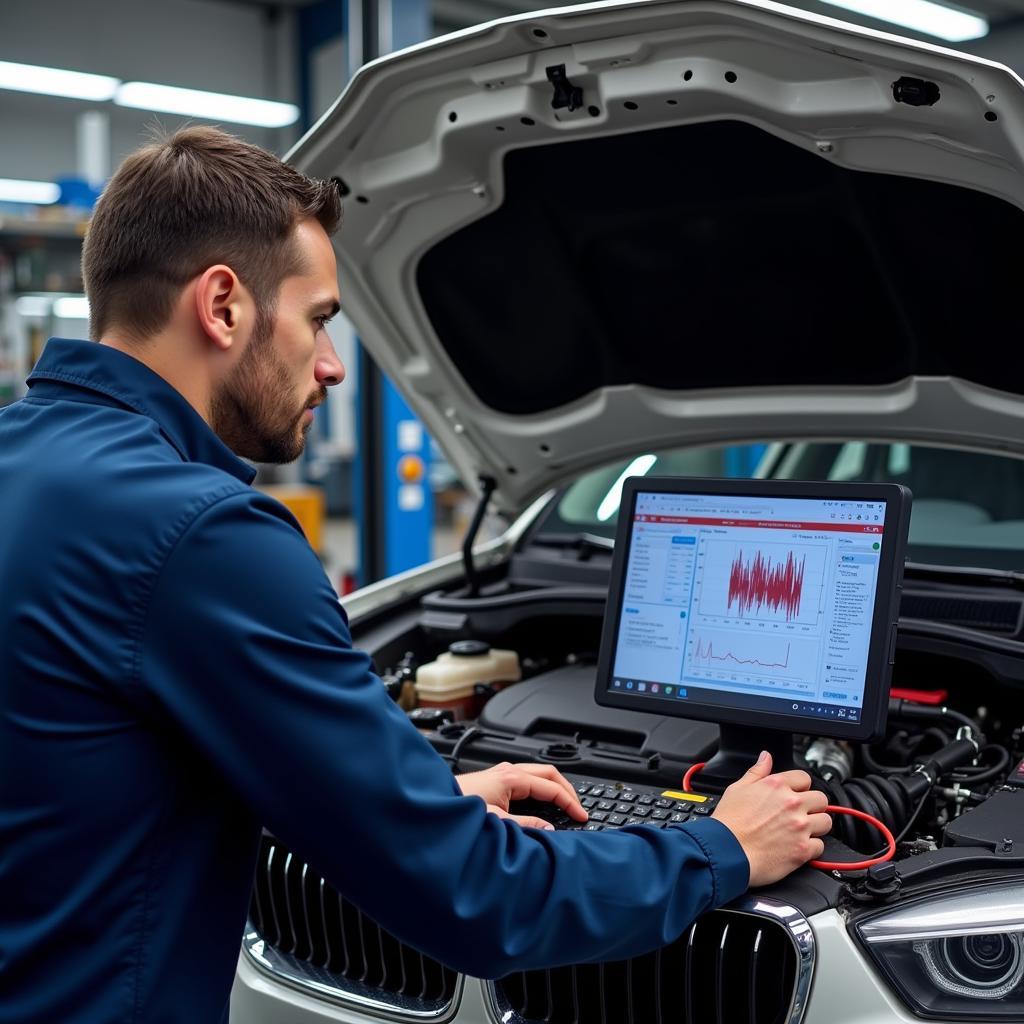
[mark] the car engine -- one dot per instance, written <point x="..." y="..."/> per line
<point x="954" y="740"/>
<point x="947" y="779"/>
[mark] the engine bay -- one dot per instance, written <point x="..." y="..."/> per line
<point x="947" y="778"/>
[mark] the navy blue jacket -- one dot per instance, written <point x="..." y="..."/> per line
<point x="175" y="672"/>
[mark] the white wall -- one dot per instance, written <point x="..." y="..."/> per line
<point x="201" y="44"/>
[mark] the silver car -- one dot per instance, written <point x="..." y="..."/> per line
<point x="654" y="237"/>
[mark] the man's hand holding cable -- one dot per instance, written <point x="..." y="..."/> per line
<point x="500" y="785"/>
<point x="776" y="819"/>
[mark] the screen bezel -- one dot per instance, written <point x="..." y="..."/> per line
<point x="881" y="644"/>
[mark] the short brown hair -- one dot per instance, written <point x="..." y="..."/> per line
<point x="186" y="202"/>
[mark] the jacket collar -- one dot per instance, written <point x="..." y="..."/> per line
<point x="100" y="368"/>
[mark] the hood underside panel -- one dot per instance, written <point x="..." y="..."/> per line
<point x="582" y="234"/>
<point x="717" y="255"/>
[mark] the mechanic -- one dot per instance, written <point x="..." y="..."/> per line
<point x="177" y="671"/>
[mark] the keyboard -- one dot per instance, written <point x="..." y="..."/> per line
<point x="613" y="805"/>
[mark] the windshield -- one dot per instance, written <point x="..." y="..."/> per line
<point x="968" y="507"/>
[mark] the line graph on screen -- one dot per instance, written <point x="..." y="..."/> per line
<point x="767" y="581"/>
<point x="736" y="652"/>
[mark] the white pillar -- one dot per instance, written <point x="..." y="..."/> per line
<point x="92" y="131"/>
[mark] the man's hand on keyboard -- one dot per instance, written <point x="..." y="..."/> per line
<point x="776" y="819"/>
<point x="500" y="785"/>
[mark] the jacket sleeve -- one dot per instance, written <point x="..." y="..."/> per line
<point x="246" y="649"/>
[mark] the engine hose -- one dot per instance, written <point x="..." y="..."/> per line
<point x="884" y="798"/>
<point x="839" y="815"/>
<point x="962" y="719"/>
<point x="895" y="799"/>
<point x="984" y="773"/>
<point x="909" y="710"/>
<point x="877" y="767"/>
<point x="940" y="737"/>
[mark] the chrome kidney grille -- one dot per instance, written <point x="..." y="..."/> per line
<point x="748" y="965"/>
<point x="307" y="934"/>
<point x="730" y="967"/>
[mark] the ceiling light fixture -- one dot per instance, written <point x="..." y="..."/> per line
<point x="56" y="82"/>
<point x="12" y="190"/>
<point x="71" y="307"/>
<point x="922" y="16"/>
<point x="33" y="305"/>
<point x="211" y="106"/>
<point x="167" y="99"/>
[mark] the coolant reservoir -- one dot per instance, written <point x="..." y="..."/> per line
<point x="448" y="682"/>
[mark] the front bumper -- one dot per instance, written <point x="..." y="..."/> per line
<point x="844" y="989"/>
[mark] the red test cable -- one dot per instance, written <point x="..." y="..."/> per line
<point x="827" y="865"/>
<point x="688" y="777"/>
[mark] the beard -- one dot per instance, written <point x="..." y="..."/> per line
<point x="253" y="411"/>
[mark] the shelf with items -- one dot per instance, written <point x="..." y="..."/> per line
<point x="70" y="229"/>
<point x="40" y="292"/>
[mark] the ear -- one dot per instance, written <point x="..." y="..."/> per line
<point x="223" y="306"/>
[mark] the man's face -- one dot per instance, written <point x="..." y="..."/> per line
<point x="264" y="408"/>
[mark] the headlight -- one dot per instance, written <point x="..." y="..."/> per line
<point x="957" y="956"/>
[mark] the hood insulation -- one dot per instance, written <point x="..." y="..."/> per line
<point x="717" y="255"/>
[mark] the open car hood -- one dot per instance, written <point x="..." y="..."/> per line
<point x="583" y="233"/>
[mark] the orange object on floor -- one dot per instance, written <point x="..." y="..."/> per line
<point x="307" y="504"/>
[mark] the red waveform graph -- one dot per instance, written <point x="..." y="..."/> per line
<point x="706" y="653"/>
<point x="753" y="584"/>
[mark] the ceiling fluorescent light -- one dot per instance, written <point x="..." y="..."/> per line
<point x="71" y="307"/>
<point x="56" y="82"/>
<point x="167" y="99"/>
<point x="33" y="305"/>
<point x="210" y="106"/>
<point x="922" y="16"/>
<point x="14" y="191"/>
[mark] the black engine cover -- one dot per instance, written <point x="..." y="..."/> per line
<point x="997" y="825"/>
<point x="559" y="706"/>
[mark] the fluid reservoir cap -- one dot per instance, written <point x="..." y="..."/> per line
<point x="561" y="752"/>
<point x="469" y="648"/>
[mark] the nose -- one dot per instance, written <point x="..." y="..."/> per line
<point x="328" y="368"/>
